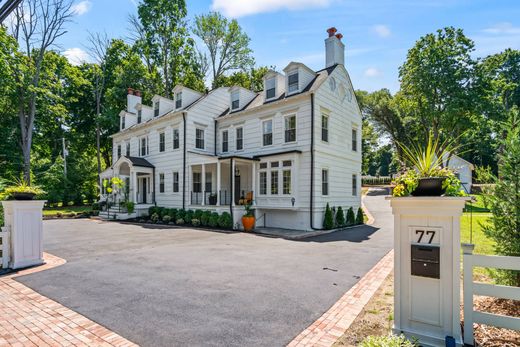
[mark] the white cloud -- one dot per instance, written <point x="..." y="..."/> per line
<point x="239" y="8"/>
<point x="503" y="28"/>
<point x="372" y="72"/>
<point x="381" y="30"/>
<point x="76" y="56"/>
<point x="81" y="7"/>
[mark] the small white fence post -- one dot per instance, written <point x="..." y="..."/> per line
<point x="6" y="247"/>
<point x="467" y="249"/>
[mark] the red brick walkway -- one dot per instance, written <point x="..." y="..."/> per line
<point x="30" y="319"/>
<point x="333" y="323"/>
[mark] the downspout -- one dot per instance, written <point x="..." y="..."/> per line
<point x="154" y="187"/>
<point x="184" y="161"/>
<point x="312" y="165"/>
<point x="231" y="185"/>
<point x="215" y="139"/>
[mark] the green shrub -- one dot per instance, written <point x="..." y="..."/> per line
<point x="166" y="219"/>
<point x="197" y="214"/>
<point x="359" y="216"/>
<point x="188" y="216"/>
<point x="204" y="218"/>
<point x="195" y="222"/>
<point x="161" y="211"/>
<point x="387" y="341"/>
<point x="340" y="217"/>
<point x="180" y="214"/>
<point x="130" y="207"/>
<point x="351" y="218"/>
<point x="152" y="210"/>
<point x="172" y="212"/>
<point x="213" y="220"/>
<point x="179" y="221"/>
<point x="328" y="221"/>
<point x="155" y="217"/>
<point x="95" y="206"/>
<point x="225" y="221"/>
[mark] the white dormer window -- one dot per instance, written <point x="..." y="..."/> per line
<point x="156" y="109"/>
<point x="235" y="102"/>
<point x="178" y="100"/>
<point x="293" y="85"/>
<point x="270" y="88"/>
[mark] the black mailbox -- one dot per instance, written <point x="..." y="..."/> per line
<point x="425" y="261"/>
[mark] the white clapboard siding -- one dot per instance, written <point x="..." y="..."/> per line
<point x="491" y="290"/>
<point x="5" y="247"/>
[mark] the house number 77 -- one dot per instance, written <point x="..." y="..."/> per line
<point x="421" y="234"/>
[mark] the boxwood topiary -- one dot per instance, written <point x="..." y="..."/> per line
<point x="340" y="217"/>
<point x="188" y="216"/>
<point x="213" y="220"/>
<point x="197" y="214"/>
<point x="351" y="218"/>
<point x="225" y="221"/>
<point x="328" y="221"/>
<point x="204" y="218"/>
<point x="359" y="216"/>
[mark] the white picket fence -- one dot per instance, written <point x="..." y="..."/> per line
<point x="474" y="288"/>
<point x="5" y="247"/>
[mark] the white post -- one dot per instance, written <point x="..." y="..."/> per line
<point x="253" y="177"/>
<point x="468" y="292"/>
<point x="232" y="182"/>
<point x="203" y="183"/>
<point x="6" y="247"/>
<point x="133" y="186"/>
<point x="218" y="183"/>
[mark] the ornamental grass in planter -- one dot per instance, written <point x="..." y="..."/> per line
<point x="427" y="176"/>
<point x="21" y="190"/>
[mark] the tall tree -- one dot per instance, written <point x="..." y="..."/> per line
<point x="252" y="79"/>
<point x="37" y="24"/>
<point x="226" y="42"/>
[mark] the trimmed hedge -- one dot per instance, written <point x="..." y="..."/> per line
<point x="195" y="218"/>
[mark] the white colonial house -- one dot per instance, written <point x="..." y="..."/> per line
<point x="290" y="149"/>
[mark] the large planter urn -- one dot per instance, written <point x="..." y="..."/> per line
<point x="248" y="222"/>
<point x="430" y="186"/>
<point x="23" y="196"/>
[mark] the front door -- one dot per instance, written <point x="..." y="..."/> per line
<point x="143" y="191"/>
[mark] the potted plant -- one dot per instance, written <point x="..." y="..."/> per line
<point x="213" y="199"/>
<point x="248" y="219"/>
<point x="427" y="176"/>
<point x="21" y="190"/>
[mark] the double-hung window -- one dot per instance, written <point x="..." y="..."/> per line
<point x="128" y="149"/>
<point x="324" y="182"/>
<point x="118" y="151"/>
<point x="267" y="131"/>
<point x="176" y="182"/>
<point x="161" y="142"/>
<point x="325" y="127"/>
<point x="139" y="116"/>
<point x="290" y="128"/>
<point x="144" y="146"/>
<point x="354" y="140"/>
<point x="274" y="182"/>
<point x="123" y="122"/>
<point x="354" y="185"/>
<point x="270" y="85"/>
<point x="156" y="109"/>
<point x="240" y="138"/>
<point x="175" y="138"/>
<point x="197" y="182"/>
<point x="235" y="101"/>
<point x="199" y="138"/>
<point x="286" y="183"/>
<point x="225" y="141"/>
<point x="208" y="183"/>
<point x="263" y="182"/>
<point x="178" y="100"/>
<point x="293" y="82"/>
<point x="161" y="183"/>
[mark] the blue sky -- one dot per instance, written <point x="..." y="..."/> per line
<point x="377" y="34"/>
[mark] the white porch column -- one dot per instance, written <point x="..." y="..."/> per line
<point x="232" y="182"/>
<point x="218" y="183"/>
<point x="189" y="184"/>
<point x="133" y="186"/>
<point x="203" y="183"/>
<point x="253" y="180"/>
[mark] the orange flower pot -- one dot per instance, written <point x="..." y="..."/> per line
<point x="248" y="222"/>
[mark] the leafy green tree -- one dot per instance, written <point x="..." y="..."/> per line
<point x="504" y="228"/>
<point x="251" y="79"/>
<point x="226" y="42"/>
<point x="328" y="221"/>
<point x="340" y="217"/>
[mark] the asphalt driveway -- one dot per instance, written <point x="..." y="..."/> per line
<point x="185" y="287"/>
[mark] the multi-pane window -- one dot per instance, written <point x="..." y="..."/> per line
<point x="139" y="116"/>
<point x="225" y="141"/>
<point x="118" y="151"/>
<point x="235" y="103"/>
<point x="274" y="182"/>
<point x="290" y="128"/>
<point x="354" y="185"/>
<point x="199" y="138"/>
<point x="325" y="182"/>
<point x="161" y="183"/>
<point x="175" y="138"/>
<point x="325" y="127"/>
<point x="197" y="183"/>
<point x="176" y="182"/>
<point x="263" y="182"/>
<point x="270" y="91"/>
<point x="208" y="185"/>
<point x="128" y="149"/>
<point x="123" y="122"/>
<point x="156" y="109"/>
<point x="293" y="82"/>
<point x="354" y="140"/>
<point x="286" y="183"/>
<point x="144" y="146"/>
<point x="267" y="131"/>
<point x="178" y="100"/>
<point x="161" y="142"/>
<point x="240" y="138"/>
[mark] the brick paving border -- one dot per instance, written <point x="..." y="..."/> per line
<point x="327" y="329"/>
<point x="30" y="319"/>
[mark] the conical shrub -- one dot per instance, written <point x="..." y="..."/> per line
<point x="328" y="221"/>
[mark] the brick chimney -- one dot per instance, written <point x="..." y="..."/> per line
<point x="334" y="48"/>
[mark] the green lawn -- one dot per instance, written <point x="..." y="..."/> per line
<point x="483" y="245"/>
<point x="66" y="209"/>
<point x="476" y="206"/>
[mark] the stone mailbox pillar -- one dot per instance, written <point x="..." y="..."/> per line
<point x="427" y="268"/>
<point x="24" y="221"/>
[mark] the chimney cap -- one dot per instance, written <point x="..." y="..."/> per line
<point x="331" y="31"/>
<point x="137" y="92"/>
<point x="130" y="91"/>
<point x="339" y="36"/>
